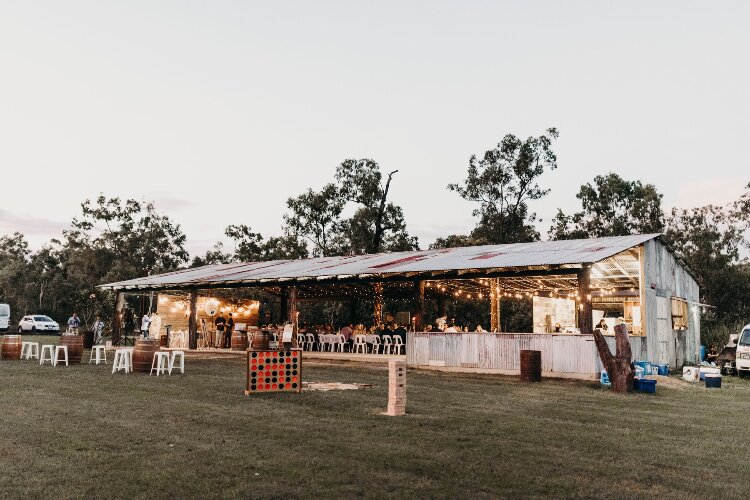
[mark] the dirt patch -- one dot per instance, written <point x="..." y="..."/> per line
<point x="671" y="382"/>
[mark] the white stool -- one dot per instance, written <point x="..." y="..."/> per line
<point x="122" y="361"/>
<point x="160" y="363"/>
<point x="47" y="349"/>
<point x="60" y="349"/>
<point x="98" y="354"/>
<point x="29" y="350"/>
<point x="181" y="354"/>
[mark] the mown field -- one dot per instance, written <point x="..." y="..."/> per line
<point x="82" y="432"/>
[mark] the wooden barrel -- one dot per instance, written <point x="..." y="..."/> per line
<point x="75" y="348"/>
<point x="531" y="366"/>
<point x="261" y="339"/>
<point x="239" y="341"/>
<point x="143" y="354"/>
<point x="11" y="347"/>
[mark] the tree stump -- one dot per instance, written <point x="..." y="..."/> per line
<point x="620" y="365"/>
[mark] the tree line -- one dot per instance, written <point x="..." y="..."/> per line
<point x="112" y="239"/>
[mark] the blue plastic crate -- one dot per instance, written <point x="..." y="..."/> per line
<point x="647" y="386"/>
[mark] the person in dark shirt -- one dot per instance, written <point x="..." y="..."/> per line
<point x="220" y="323"/>
<point x="230" y="329"/>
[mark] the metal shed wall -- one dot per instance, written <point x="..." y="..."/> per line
<point x="664" y="278"/>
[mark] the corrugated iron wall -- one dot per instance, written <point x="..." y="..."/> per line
<point x="564" y="354"/>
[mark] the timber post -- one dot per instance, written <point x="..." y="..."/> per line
<point x="442" y="309"/>
<point x="585" y="314"/>
<point x="291" y="312"/>
<point x="193" y="319"/>
<point x="353" y="310"/>
<point x="283" y="304"/>
<point x="378" y="309"/>
<point x="117" y="320"/>
<point x="495" y="305"/>
<point x="418" y="306"/>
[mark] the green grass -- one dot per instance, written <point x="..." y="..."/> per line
<point x="83" y="432"/>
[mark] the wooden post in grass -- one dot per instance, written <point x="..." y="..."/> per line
<point x="585" y="314"/>
<point x="418" y="306"/>
<point x="494" y="305"/>
<point x="378" y="309"/>
<point x="283" y="304"/>
<point x="193" y="320"/>
<point x="396" y="388"/>
<point x="117" y="320"/>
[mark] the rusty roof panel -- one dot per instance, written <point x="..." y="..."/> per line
<point x="511" y="256"/>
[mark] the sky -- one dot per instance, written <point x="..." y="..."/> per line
<point x="219" y="110"/>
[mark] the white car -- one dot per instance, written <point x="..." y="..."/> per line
<point x="38" y="324"/>
<point x="742" y="361"/>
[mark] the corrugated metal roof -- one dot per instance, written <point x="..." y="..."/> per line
<point x="514" y="256"/>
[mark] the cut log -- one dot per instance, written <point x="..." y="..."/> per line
<point x="620" y="365"/>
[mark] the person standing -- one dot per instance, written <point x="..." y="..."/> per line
<point x="220" y="324"/>
<point x="97" y="328"/>
<point x="145" y="322"/>
<point x="228" y="333"/>
<point x="74" y="323"/>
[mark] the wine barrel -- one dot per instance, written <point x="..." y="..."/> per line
<point x="143" y="354"/>
<point x="531" y="366"/>
<point x="239" y="341"/>
<point x="75" y="348"/>
<point x="260" y="340"/>
<point x="11" y="347"/>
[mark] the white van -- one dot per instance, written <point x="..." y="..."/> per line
<point x="743" y="352"/>
<point x="4" y="317"/>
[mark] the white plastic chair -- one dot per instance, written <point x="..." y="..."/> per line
<point x="322" y="341"/>
<point x="375" y="345"/>
<point x="360" y="345"/>
<point x="387" y="343"/>
<point x="397" y="345"/>
<point x="341" y="342"/>
<point x="310" y="341"/>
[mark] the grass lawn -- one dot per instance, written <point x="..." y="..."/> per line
<point x="83" y="432"/>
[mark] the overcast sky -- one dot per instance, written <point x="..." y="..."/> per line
<point x="219" y="111"/>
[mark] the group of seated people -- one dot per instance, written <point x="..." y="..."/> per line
<point x="351" y="331"/>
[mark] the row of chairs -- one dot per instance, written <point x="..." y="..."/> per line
<point x="337" y="343"/>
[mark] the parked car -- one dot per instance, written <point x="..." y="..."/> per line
<point x="742" y="361"/>
<point x="4" y="317"/>
<point x="38" y="324"/>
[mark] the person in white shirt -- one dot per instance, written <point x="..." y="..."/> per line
<point x="145" y="322"/>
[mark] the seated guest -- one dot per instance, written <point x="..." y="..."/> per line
<point x="428" y="328"/>
<point x="400" y="331"/>
<point x="602" y="325"/>
<point x="346" y="331"/>
<point x="480" y="329"/>
<point x="452" y="327"/>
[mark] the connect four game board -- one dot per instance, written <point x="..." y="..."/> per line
<point x="274" y="371"/>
